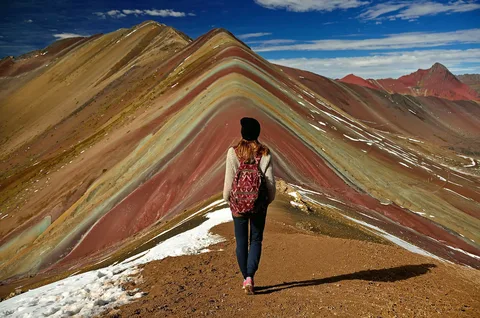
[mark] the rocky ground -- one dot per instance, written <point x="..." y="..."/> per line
<point x="309" y="275"/>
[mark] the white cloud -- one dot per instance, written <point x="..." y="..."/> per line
<point x="99" y="14"/>
<point x="393" y="64"/>
<point x="165" y="13"/>
<point x="381" y="9"/>
<point x="272" y="42"/>
<point x="67" y="35"/>
<point x="136" y="11"/>
<point x="392" y="41"/>
<point x="115" y="14"/>
<point x="29" y="21"/>
<point x="253" y="35"/>
<point x="407" y="10"/>
<point x="153" y="12"/>
<point x="310" y="5"/>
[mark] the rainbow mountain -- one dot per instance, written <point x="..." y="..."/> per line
<point x="108" y="138"/>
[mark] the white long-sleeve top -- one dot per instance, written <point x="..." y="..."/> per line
<point x="232" y="164"/>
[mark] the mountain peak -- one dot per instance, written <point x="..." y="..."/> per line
<point x="436" y="81"/>
<point x="151" y="22"/>
<point x="351" y="75"/>
<point x="357" y="80"/>
<point x="439" y="67"/>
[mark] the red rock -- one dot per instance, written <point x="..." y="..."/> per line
<point x="353" y="79"/>
<point x="437" y="81"/>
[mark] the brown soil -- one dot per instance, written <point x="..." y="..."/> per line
<point x="306" y="274"/>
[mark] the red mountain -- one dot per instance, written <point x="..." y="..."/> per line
<point x="437" y="81"/>
<point x="353" y="79"/>
<point x="472" y="80"/>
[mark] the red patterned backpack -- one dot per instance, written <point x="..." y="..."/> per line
<point x="248" y="194"/>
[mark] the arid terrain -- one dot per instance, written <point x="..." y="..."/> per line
<point x="306" y="274"/>
<point x="107" y="141"/>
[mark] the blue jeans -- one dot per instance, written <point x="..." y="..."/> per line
<point x="249" y="260"/>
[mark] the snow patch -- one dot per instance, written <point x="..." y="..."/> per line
<point x="398" y="241"/>
<point x="317" y="128"/>
<point x="419" y="213"/>
<point x="368" y="216"/>
<point x="462" y="177"/>
<point x="294" y="194"/>
<point x="441" y="178"/>
<point x="296" y="204"/>
<point x="415" y="140"/>
<point x="464" y="252"/>
<point x="466" y="198"/>
<point x="304" y="190"/>
<point x="404" y="164"/>
<point x="308" y="94"/>
<point x="320" y="203"/>
<point x="472" y="162"/>
<point x="91" y="293"/>
<point x="351" y="138"/>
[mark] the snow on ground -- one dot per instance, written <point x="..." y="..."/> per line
<point x="404" y="164"/>
<point x="91" y="293"/>
<point x="294" y="194"/>
<point x="472" y="164"/>
<point x="376" y="230"/>
<point x="396" y="240"/>
<point x="317" y="128"/>
<point x="462" y="251"/>
<point x="300" y="189"/>
<point x="466" y="198"/>
<point x="296" y="204"/>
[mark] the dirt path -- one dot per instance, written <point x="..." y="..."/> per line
<point x="307" y="275"/>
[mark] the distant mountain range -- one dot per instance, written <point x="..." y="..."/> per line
<point x="109" y="140"/>
<point x="472" y="80"/>
<point x="436" y="81"/>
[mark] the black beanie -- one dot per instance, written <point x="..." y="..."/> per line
<point x="250" y="128"/>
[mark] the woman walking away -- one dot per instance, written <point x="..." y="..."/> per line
<point x="249" y="188"/>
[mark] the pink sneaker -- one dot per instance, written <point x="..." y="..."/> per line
<point x="248" y="286"/>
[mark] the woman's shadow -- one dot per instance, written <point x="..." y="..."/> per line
<point x="377" y="275"/>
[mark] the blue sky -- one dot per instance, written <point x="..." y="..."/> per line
<point x="373" y="39"/>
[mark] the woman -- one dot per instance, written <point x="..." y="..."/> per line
<point x="250" y="151"/>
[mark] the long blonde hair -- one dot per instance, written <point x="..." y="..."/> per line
<point x="247" y="150"/>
